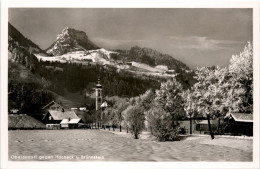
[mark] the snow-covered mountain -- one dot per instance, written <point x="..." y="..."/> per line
<point x="70" y="40"/>
<point x="74" y="45"/>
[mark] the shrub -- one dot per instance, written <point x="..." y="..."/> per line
<point x="163" y="126"/>
<point x="135" y="119"/>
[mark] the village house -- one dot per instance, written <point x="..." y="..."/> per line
<point x="239" y="124"/>
<point x="56" y="116"/>
<point x="56" y="119"/>
<point x="198" y="126"/>
<point x="52" y="106"/>
<point x="82" y="108"/>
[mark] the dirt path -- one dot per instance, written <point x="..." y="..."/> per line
<point x="106" y="146"/>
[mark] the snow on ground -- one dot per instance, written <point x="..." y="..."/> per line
<point x="161" y="67"/>
<point x="101" y="56"/>
<point x="116" y="146"/>
<point x="146" y="67"/>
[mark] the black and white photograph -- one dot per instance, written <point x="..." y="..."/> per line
<point x="130" y="85"/>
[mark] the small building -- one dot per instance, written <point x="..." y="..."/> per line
<point x="198" y="126"/>
<point x="61" y="120"/>
<point x="82" y="108"/>
<point x="55" y="116"/>
<point x="170" y="71"/>
<point x="202" y="126"/>
<point x="104" y="105"/>
<point x="52" y="106"/>
<point x="239" y="124"/>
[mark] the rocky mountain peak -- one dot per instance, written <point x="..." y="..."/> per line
<point x="71" y="40"/>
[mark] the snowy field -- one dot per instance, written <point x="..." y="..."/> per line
<point x="99" y="145"/>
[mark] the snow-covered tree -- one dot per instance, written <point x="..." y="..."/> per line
<point x="166" y="109"/>
<point x="146" y="99"/>
<point x="169" y="97"/>
<point x="134" y="118"/>
<point x="162" y="124"/>
<point x="125" y="114"/>
<point x="240" y="84"/>
<point x="190" y="105"/>
<point x="208" y="92"/>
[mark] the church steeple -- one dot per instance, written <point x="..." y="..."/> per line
<point x="98" y="95"/>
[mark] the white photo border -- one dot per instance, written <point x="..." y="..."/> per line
<point x="254" y="4"/>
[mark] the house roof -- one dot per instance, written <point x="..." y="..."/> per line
<point x="82" y="108"/>
<point x="64" y="121"/>
<point x="242" y="117"/>
<point x="104" y="104"/>
<point x="73" y="121"/>
<point x="52" y="102"/>
<point x="67" y="121"/>
<point x="23" y="121"/>
<point x="59" y="115"/>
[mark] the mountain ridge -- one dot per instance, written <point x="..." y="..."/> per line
<point x="149" y="56"/>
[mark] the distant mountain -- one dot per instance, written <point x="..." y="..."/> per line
<point x="150" y="57"/>
<point x="70" y="40"/>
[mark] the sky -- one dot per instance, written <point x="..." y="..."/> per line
<point x="197" y="37"/>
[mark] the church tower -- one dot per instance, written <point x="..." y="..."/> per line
<point x="98" y="95"/>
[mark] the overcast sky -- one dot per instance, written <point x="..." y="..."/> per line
<point x="197" y="37"/>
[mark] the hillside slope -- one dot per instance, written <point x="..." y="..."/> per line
<point x="150" y="57"/>
<point x="20" y="40"/>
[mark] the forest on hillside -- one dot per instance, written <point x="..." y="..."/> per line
<point x="150" y="57"/>
<point x="76" y="77"/>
